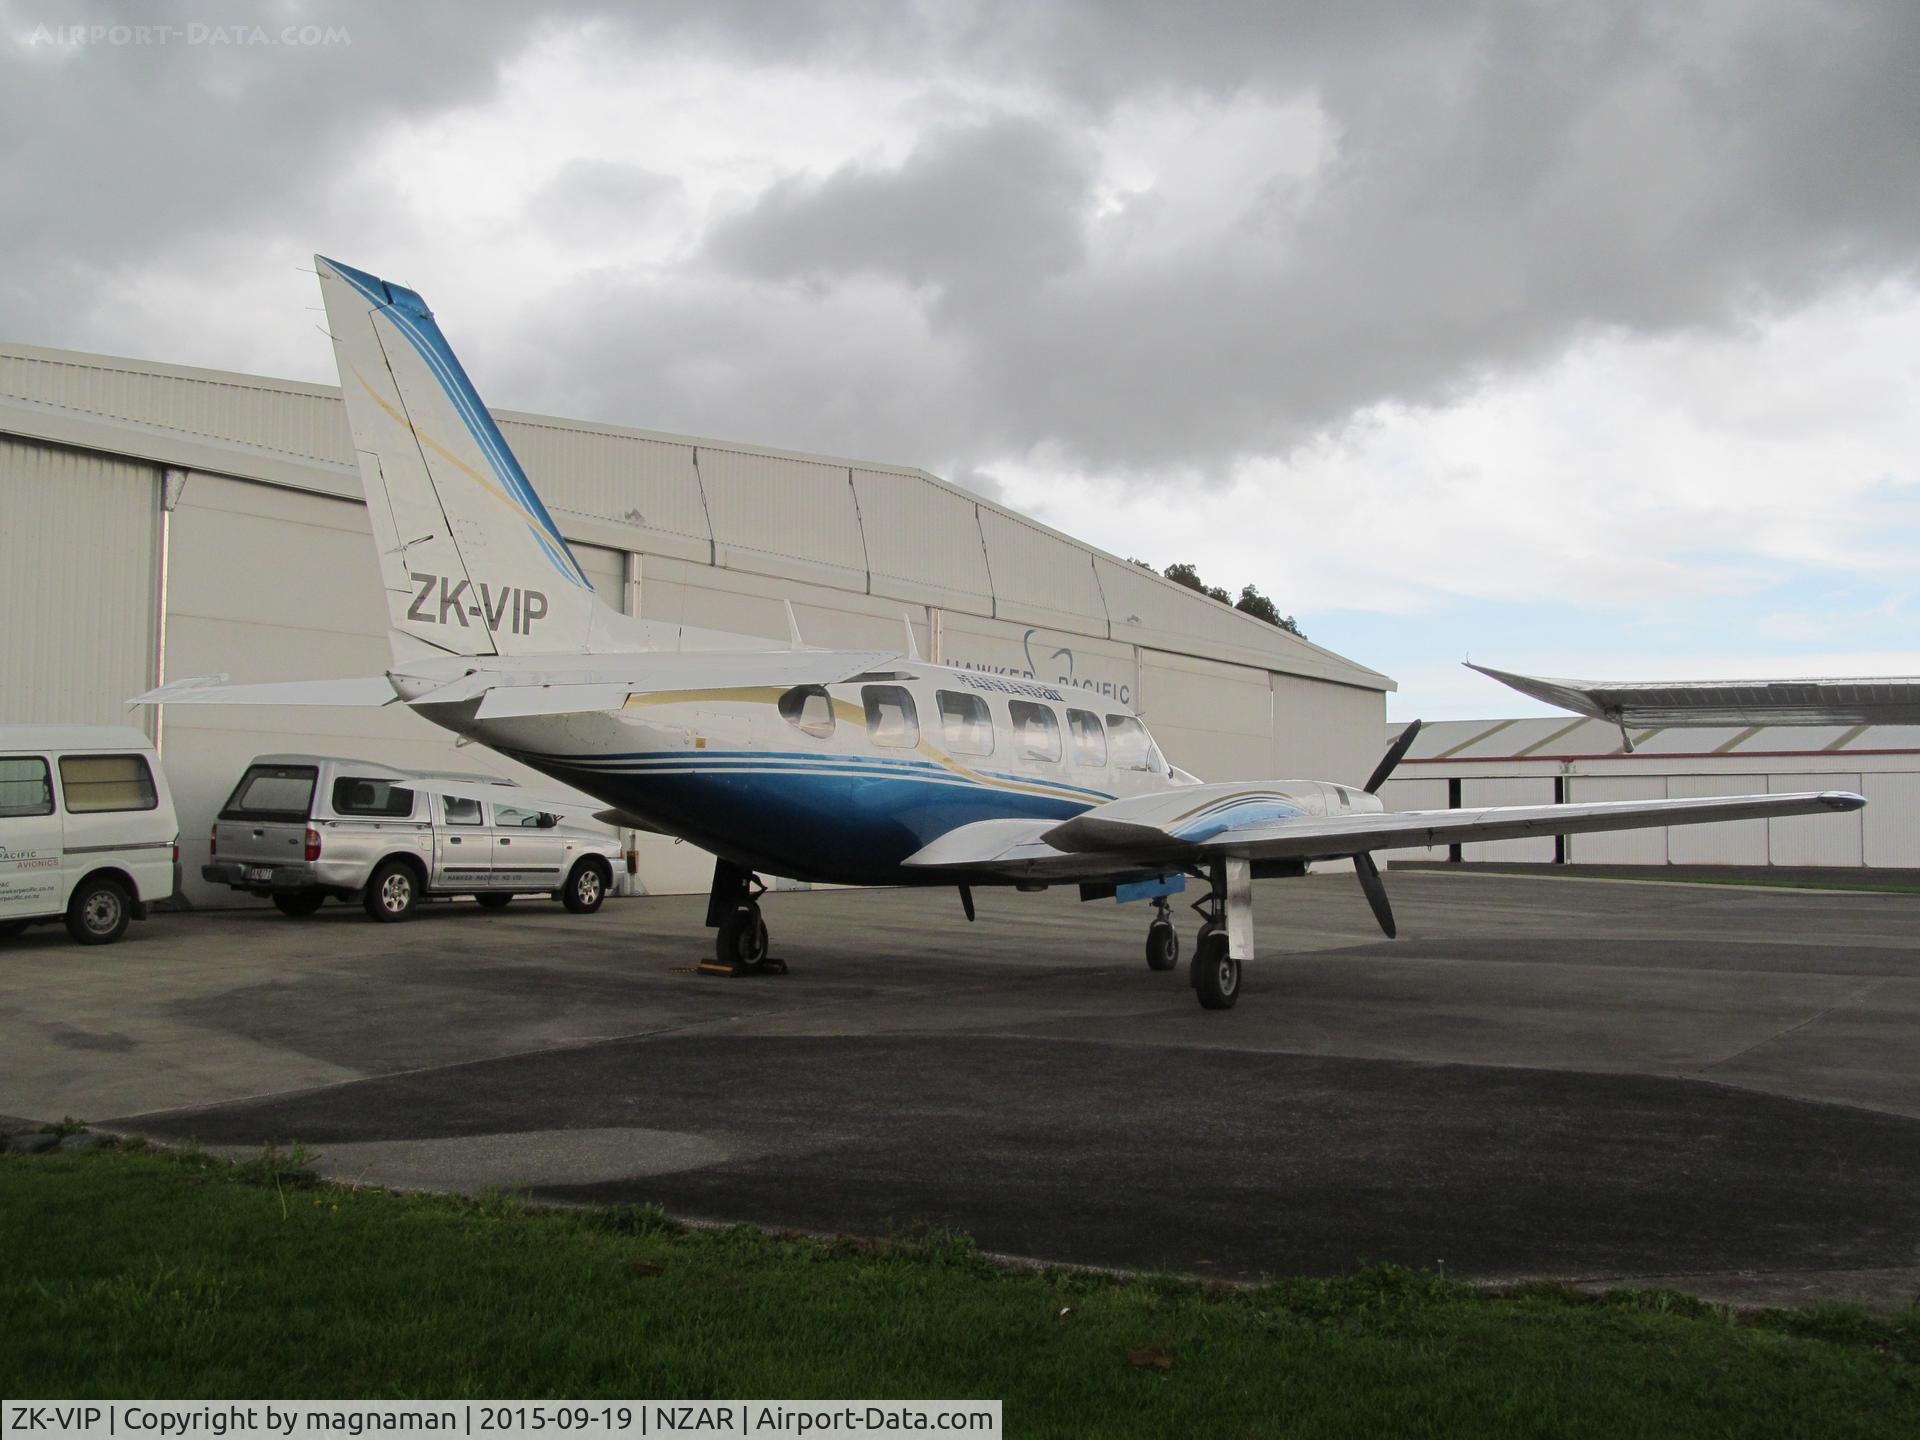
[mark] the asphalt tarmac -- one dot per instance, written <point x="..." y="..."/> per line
<point x="1706" y="1087"/>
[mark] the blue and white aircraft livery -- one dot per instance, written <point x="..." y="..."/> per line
<point x="867" y="767"/>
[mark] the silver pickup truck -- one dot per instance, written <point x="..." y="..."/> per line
<point x="301" y="828"/>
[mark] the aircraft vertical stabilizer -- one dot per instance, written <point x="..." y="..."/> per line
<point x="471" y="560"/>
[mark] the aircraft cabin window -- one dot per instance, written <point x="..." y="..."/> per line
<point x="1036" y="730"/>
<point x="1089" y="740"/>
<point x="965" y="723"/>
<point x="808" y="708"/>
<point x="460" y="811"/>
<point x="891" y="718"/>
<point x="1132" y="747"/>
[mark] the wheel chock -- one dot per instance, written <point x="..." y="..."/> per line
<point x="736" y="972"/>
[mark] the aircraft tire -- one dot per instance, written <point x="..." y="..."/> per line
<point x="742" y="937"/>
<point x="1163" y="945"/>
<point x="493" y="900"/>
<point x="295" y="903"/>
<point x="1216" y="974"/>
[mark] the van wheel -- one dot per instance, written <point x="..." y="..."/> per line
<point x="495" y="901"/>
<point x="393" y="891"/>
<point x="297" y="902"/>
<point x="99" y="912"/>
<point x="585" y="889"/>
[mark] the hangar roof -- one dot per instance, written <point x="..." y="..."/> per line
<point x="871" y="528"/>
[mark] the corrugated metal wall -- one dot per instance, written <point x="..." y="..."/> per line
<point x="273" y="577"/>
<point x="1517" y="761"/>
<point x="85" y="532"/>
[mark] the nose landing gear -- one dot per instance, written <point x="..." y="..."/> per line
<point x="1163" y="941"/>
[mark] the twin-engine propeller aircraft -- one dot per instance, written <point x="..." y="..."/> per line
<point x="868" y="767"/>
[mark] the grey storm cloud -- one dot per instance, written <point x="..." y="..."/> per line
<point x="1503" y="179"/>
<point x="1501" y="185"/>
<point x="974" y="212"/>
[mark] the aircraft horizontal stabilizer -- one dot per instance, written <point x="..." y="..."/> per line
<point x="363" y="690"/>
<point x="612" y="679"/>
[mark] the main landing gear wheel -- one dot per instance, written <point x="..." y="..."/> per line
<point x="494" y="901"/>
<point x="742" y="937"/>
<point x="1216" y="974"/>
<point x="295" y="903"/>
<point x="1163" y="945"/>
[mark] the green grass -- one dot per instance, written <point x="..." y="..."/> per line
<point x="148" y="1274"/>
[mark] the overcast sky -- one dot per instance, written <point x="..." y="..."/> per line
<point x="1579" y="338"/>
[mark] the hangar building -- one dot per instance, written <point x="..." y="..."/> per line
<point x="165" y="522"/>
<point x="1566" y="760"/>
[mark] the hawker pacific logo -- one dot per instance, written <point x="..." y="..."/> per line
<point x="1063" y="672"/>
<point x="442" y="600"/>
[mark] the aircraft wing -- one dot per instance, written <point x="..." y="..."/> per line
<point x="368" y="690"/>
<point x="1198" y="824"/>
<point x="1645" y="704"/>
<point x="602" y="682"/>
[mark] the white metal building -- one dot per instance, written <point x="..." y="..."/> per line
<point x="1561" y="759"/>
<point x="163" y="522"/>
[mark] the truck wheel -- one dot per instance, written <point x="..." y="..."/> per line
<point x="495" y="901"/>
<point x="298" y="902"/>
<point x="585" y="889"/>
<point x="393" y="891"/>
<point x="99" y="911"/>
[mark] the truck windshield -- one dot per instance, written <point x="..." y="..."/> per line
<point x="272" y="792"/>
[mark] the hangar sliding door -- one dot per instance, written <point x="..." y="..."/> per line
<point x="1509" y="790"/>
<point x="1211" y="718"/>
<point x="80" y="589"/>
<point x="1616" y="847"/>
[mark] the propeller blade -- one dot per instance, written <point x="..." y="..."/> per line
<point x="1369" y="874"/>
<point x="1396" y="752"/>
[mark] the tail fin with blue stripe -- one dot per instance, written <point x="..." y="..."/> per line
<point x="471" y="560"/>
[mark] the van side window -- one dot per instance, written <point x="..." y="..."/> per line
<point x="358" y="795"/>
<point x="272" y="792"/>
<point x="1036" y="730"/>
<point x="26" y="788"/>
<point x="891" y="718"/>
<point x="809" y="709"/>
<point x="965" y="723"/>
<point x="459" y="810"/>
<point x="1089" y="740"/>
<point x="97" y="783"/>
<point x="1132" y="746"/>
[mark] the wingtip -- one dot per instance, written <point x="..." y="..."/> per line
<point x="1843" y="800"/>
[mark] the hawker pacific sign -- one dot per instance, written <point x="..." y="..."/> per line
<point x="1041" y="659"/>
<point x="442" y="600"/>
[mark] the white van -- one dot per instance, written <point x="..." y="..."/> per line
<point x="87" y="829"/>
